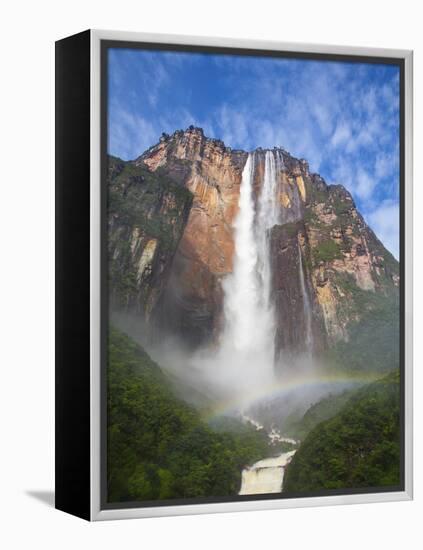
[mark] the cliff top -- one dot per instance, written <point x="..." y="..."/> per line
<point x="197" y="130"/>
<point x="199" y="133"/>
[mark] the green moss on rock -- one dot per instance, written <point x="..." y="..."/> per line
<point x="326" y="251"/>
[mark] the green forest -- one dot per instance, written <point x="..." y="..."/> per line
<point x="358" y="447"/>
<point x="158" y="446"/>
<point x="327" y="407"/>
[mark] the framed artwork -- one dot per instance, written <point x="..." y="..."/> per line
<point x="233" y="325"/>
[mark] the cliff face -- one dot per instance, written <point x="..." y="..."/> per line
<point x="147" y="215"/>
<point x="171" y="214"/>
<point x="191" y="304"/>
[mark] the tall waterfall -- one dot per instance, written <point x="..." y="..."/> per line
<point x="268" y="215"/>
<point x="249" y="333"/>
<point x="306" y="303"/>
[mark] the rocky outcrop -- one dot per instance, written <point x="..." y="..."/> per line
<point x="171" y="214"/>
<point x="191" y="304"/>
<point x="347" y="259"/>
<point x="147" y="215"/>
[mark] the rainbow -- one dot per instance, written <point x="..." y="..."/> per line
<point x="280" y="388"/>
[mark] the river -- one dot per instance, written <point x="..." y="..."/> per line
<point x="265" y="476"/>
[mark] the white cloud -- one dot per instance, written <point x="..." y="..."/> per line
<point x="130" y="134"/>
<point x="323" y="116"/>
<point x="351" y="173"/>
<point x="390" y="94"/>
<point x="233" y="126"/>
<point x="385" y="164"/>
<point x="341" y="135"/>
<point x="334" y="115"/>
<point x="369" y="101"/>
<point x="364" y="184"/>
<point x="384" y="220"/>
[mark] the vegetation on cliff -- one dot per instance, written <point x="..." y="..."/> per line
<point x="144" y="208"/>
<point x="373" y="344"/>
<point x="158" y="447"/>
<point x="358" y="447"/>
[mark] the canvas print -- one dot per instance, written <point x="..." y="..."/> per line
<point x="253" y="276"/>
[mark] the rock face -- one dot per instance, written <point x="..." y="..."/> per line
<point x="288" y="241"/>
<point x="191" y="304"/>
<point x="171" y="214"/>
<point x="147" y="215"/>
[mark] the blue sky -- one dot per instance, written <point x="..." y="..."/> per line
<point x="341" y="117"/>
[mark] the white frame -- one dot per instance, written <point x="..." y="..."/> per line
<point x="96" y="512"/>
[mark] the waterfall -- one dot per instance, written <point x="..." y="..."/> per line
<point x="265" y="476"/>
<point x="248" y="337"/>
<point x="267" y="217"/>
<point x="306" y="303"/>
<point x="269" y="207"/>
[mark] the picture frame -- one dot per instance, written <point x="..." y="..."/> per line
<point x="83" y="279"/>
